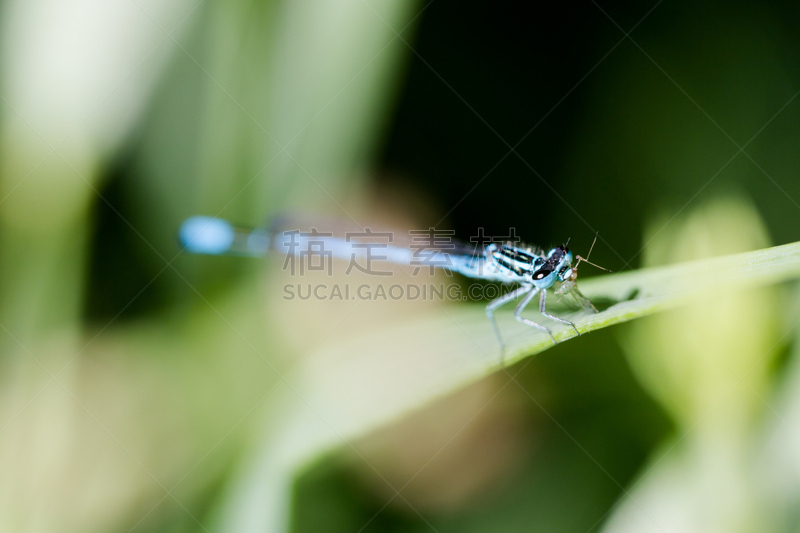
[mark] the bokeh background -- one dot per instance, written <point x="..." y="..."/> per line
<point x="144" y="389"/>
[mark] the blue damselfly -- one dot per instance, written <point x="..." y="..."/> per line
<point x="531" y="268"/>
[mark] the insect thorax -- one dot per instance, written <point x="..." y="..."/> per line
<point x="510" y="262"/>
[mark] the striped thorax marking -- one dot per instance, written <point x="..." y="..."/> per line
<point x="512" y="261"/>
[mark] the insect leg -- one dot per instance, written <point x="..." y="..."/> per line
<point x="521" y="307"/>
<point x="542" y="300"/>
<point x="494" y="304"/>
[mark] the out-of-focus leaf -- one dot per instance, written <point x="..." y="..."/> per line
<point x="707" y="364"/>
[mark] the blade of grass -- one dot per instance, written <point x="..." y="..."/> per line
<point x="345" y="390"/>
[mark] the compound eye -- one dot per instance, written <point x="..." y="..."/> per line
<point x="541" y="274"/>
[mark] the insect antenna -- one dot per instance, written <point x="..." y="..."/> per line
<point x="589" y="254"/>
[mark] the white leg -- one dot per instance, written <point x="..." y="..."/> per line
<point x="521" y="307"/>
<point x="557" y="319"/>
<point x="494" y="304"/>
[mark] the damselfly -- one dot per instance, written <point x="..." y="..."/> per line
<point x="532" y="269"/>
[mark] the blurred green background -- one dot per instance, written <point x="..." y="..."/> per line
<point x="144" y="389"/>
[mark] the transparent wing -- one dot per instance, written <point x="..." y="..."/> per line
<point x="582" y="300"/>
<point x="427" y="239"/>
